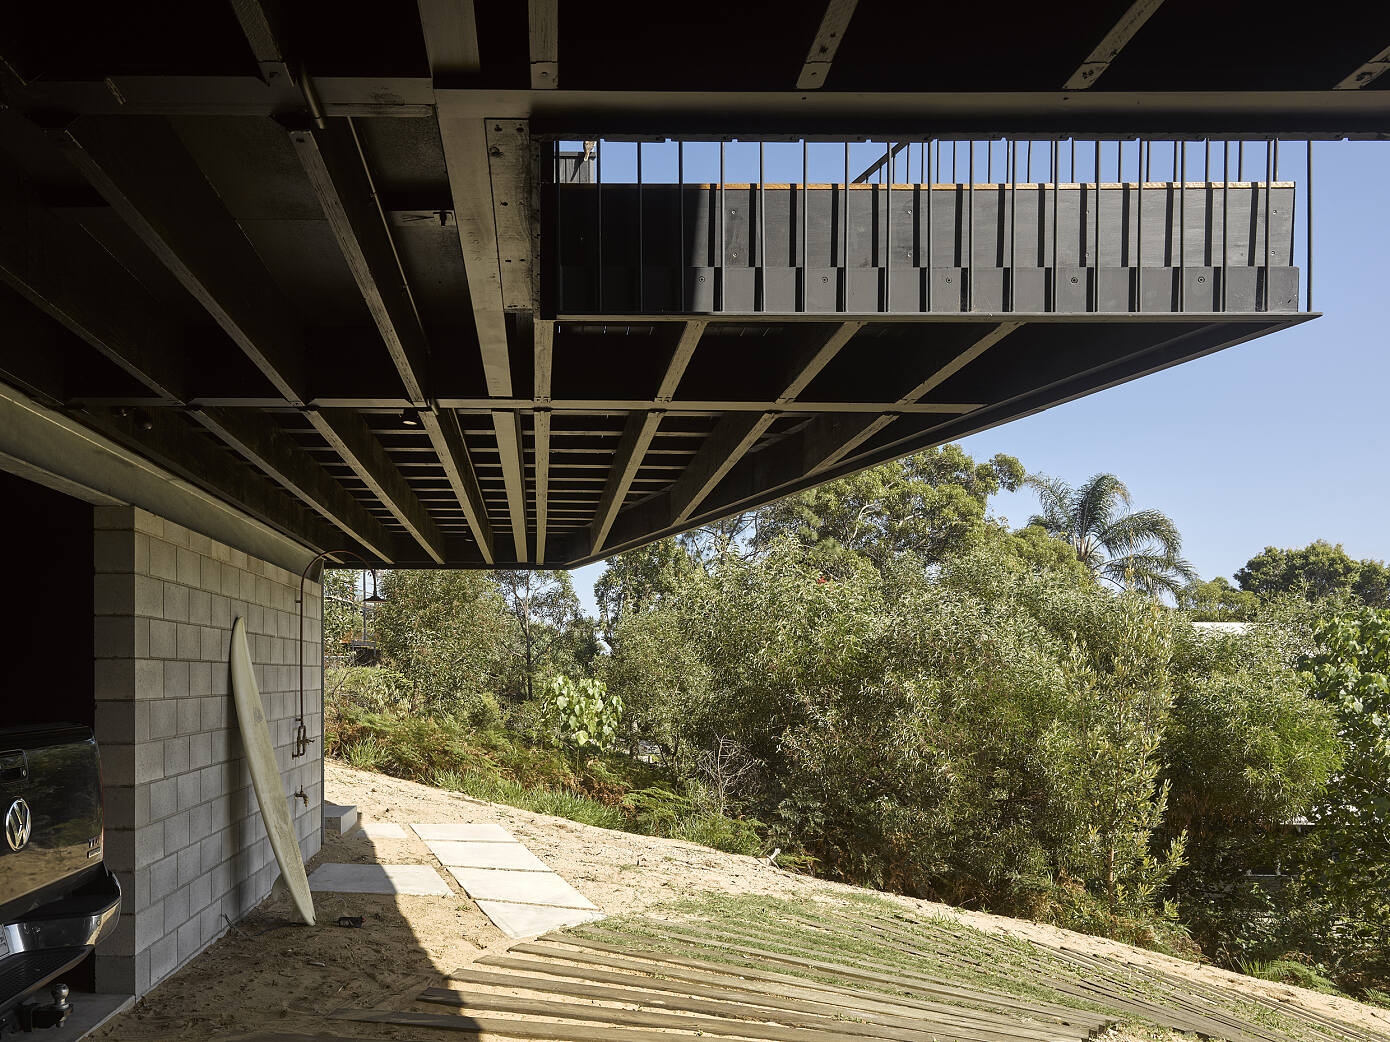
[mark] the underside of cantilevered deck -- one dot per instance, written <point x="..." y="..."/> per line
<point x="346" y="267"/>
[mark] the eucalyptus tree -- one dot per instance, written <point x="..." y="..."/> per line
<point x="1138" y="550"/>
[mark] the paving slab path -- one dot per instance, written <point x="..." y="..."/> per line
<point x="518" y="891"/>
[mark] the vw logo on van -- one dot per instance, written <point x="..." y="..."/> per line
<point x="18" y="824"/>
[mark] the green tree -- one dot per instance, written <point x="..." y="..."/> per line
<point x="637" y="580"/>
<point x="342" y="611"/>
<point x="544" y="611"/>
<point x="1120" y="695"/>
<point x="1349" y="669"/>
<point x="443" y="630"/>
<point x="929" y="504"/>
<point x="1140" y="549"/>
<point x="1317" y="571"/>
<point x="1217" y="601"/>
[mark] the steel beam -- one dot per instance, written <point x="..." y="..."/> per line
<point x="543" y="20"/>
<point x="1111" y="44"/>
<point x="338" y="173"/>
<point x="627" y="460"/>
<point x="57" y="267"/>
<point x="888" y="115"/>
<point x="1367" y="73"/>
<point x="265" y="445"/>
<point x="540" y="429"/>
<point x="816" y="69"/>
<point x="446" y="438"/>
<point x="511" y="159"/>
<point x="143" y="171"/>
<point x="510" y="451"/>
<point x="543" y="345"/>
<point x="735" y="435"/>
<point x="332" y="157"/>
<point x="353" y="440"/>
<point x="680" y="358"/>
<point x="168" y="441"/>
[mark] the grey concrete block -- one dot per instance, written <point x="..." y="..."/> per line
<point x="189" y="790"/>
<point x="176" y="602"/>
<point x="113" y="594"/>
<point x="164" y="717"/>
<point x="149" y="596"/>
<point x="164" y="561"/>
<point x="176" y="758"/>
<point x="149" y="679"/>
<point x="114" y="679"/>
<point x="164" y="800"/>
<point x="164" y="639"/>
<point x="164" y="877"/>
<point x="199" y="750"/>
<point x="176" y="831"/>
<point x="190" y="642"/>
<point x="164" y="957"/>
<point x="190" y="714"/>
<point x="190" y="567"/>
<point x="114" y="636"/>
<point x="149" y="762"/>
<point x="176" y="909"/>
<point x="176" y="680"/>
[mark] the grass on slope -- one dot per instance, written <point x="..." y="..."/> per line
<point x="610" y="791"/>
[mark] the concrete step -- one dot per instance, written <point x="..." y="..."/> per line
<point x="338" y="818"/>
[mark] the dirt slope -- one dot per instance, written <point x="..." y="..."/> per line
<point x="267" y="974"/>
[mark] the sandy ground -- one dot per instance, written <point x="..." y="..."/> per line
<point x="266" y="974"/>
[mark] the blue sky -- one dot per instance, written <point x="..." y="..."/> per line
<point x="1279" y="441"/>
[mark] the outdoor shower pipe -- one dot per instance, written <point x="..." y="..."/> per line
<point x="301" y="735"/>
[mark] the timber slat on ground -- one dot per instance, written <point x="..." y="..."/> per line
<point x="859" y="973"/>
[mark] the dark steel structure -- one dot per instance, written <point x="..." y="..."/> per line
<point x="332" y="263"/>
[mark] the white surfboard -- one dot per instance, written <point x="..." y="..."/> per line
<point x="265" y="775"/>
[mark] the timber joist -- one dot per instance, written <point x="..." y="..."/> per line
<point x="356" y="273"/>
<point x="822" y="973"/>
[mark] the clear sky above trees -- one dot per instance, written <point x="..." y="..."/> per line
<point x="1278" y="442"/>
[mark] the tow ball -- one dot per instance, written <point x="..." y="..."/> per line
<point x="31" y="1015"/>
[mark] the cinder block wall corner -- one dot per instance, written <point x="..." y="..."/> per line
<point x="183" y="830"/>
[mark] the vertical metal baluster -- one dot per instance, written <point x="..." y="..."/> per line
<point x="1013" y="223"/>
<point x="723" y="256"/>
<point x="1056" y="160"/>
<point x="1225" y="215"/>
<point x="761" y="272"/>
<point x="805" y="225"/>
<point x="970" y="241"/>
<point x="1206" y="204"/>
<point x="1095" y="260"/>
<point x="888" y="235"/>
<point x="559" y="267"/>
<point x="1181" y="154"/>
<point x="844" y="240"/>
<point x="1269" y="179"/>
<point x="641" y="245"/>
<point x="928" y="178"/>
<point x="1308" y="242"/>
<point x="598" y="194"/>
<point x="1139" y="236"/>
<point x="684" y="265"/>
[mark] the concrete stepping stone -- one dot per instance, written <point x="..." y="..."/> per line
<point x="486" y="855"/>
<point x="517" y="920"/>
<point x="530" y="888"/>
<point x="379" y="879"/>
<point x="464" y="833"/>
<point x="379" y="830"/>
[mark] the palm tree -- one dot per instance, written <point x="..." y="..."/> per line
<point x="1134" y="550"/>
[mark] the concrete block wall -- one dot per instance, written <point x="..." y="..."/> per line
<point x="183" y="830"/>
